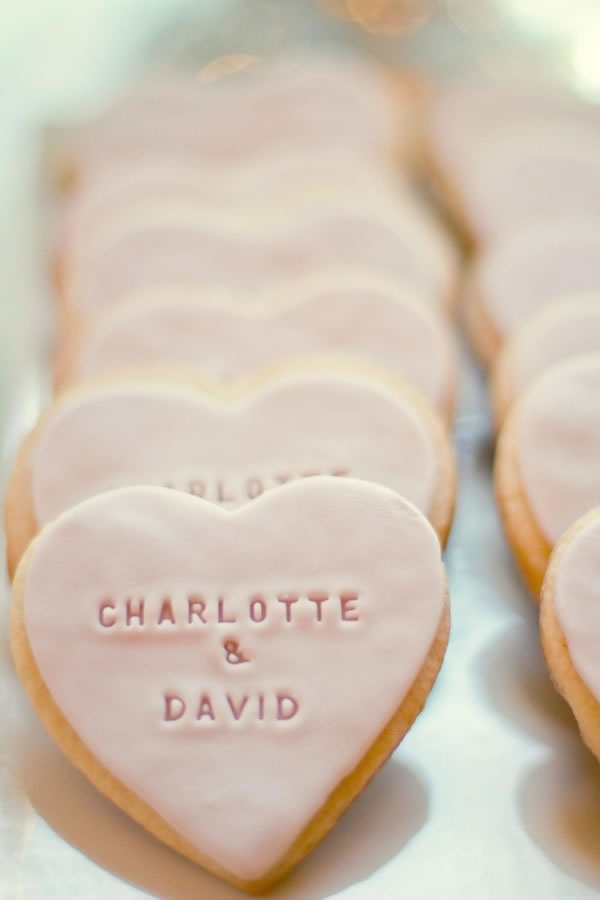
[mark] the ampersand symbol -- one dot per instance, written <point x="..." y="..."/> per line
<point x="233" y="654"/>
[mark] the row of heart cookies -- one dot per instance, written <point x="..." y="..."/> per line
<point x="248" y="223"/>
<point x="239" y="109"/>
<point x="253" y="255"/>
<point x="532" y="304"/>
<point x="381" y="313"/>
<point x="509" y="153"/>
<point x="225" y="265"/>
<point x="261" y="640"/>
<point x="533" y="315"/>
<point x="533" y="147"/>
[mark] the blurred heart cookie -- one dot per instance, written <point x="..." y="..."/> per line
<point x="172" y="433"/>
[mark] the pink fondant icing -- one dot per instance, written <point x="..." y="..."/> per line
<point x="398" y="333"/>
<point x="240" y="790"/>
<point x="466" y="112"/>
<point x="314" y="103"/>
<point x="264" y="217"/>
<point x="417" y="252"/>
<point x="558" y="444"/>
<point x="129" y="185"/>
<point x="563" y="329"/>
<point x="529" y="174"/>
<point x="518" y="275"/>
<point x="173" y="435"/>
<point x="576" y="601"/>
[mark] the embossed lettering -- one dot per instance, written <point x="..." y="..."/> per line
<point x="233" y="654"/>
<point x="106" y="622"/>
<point x="288" y="601"/>
<point x="258" y="609"/>
<point x="174" y="707"/>
<point x="196" y="607"/>
<point x="227" y="707"/>
<point x="197" y="488"/>
<point x="227" y="488"/>
<point x="222" y="495"/>
<point x="205" y="708"/>
<point x="254" y="487"/>
<point x="237" y="711"/>
<point x="348" y="601"/>
<point x="222" y="615"/>
<point x="318" y="599"/>
<point x="132" y="612"/>
<point x="166" y="613"/>
<point x="287" y="707"/>
<point x="184" y="611"/>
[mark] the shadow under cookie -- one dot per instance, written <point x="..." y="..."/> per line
<point x="391" y="810"/>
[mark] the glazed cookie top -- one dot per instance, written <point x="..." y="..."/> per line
<point x="273" y="179"/>
<point x="531" y="173"/>
<point x="233" y="667"/>
<point x="272" y="294"/>
<point x="568" y="327"/>
<point x="395" y="331"/>
<point x="176" y="436"/>
<point x="465" y="112"/>
<point x="415" y="251"/>
<point x="313" y="101"/>
<point x="576" y="598"/>
<point x="258" y="219"/>
<point x="516" y="276"/>
<point x="558" y="443"/>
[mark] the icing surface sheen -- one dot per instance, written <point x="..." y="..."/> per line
<point x="394" y="331"/>
<point x="531" y="173"/>
<point x="535" y="266"/>
<point x="120" y="187"/>
<point x="279" y="106"/>
<point x="238" y="786"/>
<point x="174" y="436"/>
<point x="558" y="444"/>
<point x="418" y="253"/>
<point x="468" y="111"/>
<point x="566" y="328"/>
<point x="577" y="602"/>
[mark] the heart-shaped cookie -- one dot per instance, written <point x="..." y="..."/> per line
<point x="526" y="270"/>
<point x="176" y="435"/>
<point x="531" y="173"/>
<point x="466" y="111"/>
<point x="570" y="623"/>
<point x="389" y="329"/>
<point x="116" y="189"/>
<point x="232" y="679"/>
<point x="563" y="329"/>
<point x="275" y="206"/>
<point x="547" y="470"/>
<point x="184" y="245"/>
<point x="262" y="110"/>
<point x="274" y="108"/>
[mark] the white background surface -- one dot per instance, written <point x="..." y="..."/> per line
<point x="492" y="794"/>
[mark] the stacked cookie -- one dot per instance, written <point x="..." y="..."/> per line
<point x="226" y="530"/>
<point x="522" y="174"/>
